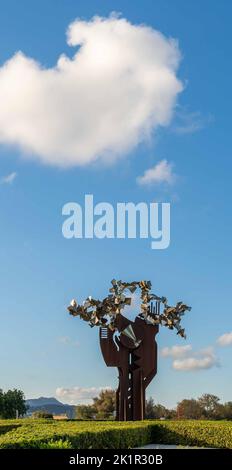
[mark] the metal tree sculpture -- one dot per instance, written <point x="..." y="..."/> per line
<point x="134" y="350"/>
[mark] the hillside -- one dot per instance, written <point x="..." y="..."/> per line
<point x="51" y="405"/>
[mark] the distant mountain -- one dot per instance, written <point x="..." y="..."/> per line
<point x="41" y="401"/>
<point x="51" y="405"/>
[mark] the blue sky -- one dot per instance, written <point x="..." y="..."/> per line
<point x="41" y="347"/>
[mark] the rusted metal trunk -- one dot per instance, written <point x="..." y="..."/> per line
<point x="136" y="363"/>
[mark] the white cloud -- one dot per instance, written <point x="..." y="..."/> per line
<point x="225" y="340"/>
<point x="8" y="179"/>
<point x="192" y="363"/>
<point x="176" y="351"/>
<point x="187" y="360"/>
<point x="77" y="395"/>
<point x="119" y="86"/>
<point x="66" y="340"/>
<point x="204" y="359"/>
<point x="190" y="122"/>
<point x="160" y="173"/>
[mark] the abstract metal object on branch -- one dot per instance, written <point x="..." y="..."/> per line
<point x="134" y="350"/>
<point x="104" y="312"/>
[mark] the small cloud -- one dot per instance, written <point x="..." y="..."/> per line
<point x="176" y="351"/>
<point x="8" y="179"/>
<point x="187" y="360"/>
<point x="79" y="395"/>
<point x="189" y="123"/>
<point x="66" y="340"/>
<point x="204" y="359"/>
<point x="209" y="351"/>
<point x="160" y="173"/>
<point x="225" y="340"/>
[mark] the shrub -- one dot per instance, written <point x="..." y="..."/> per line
<point x="55" y="444"/>
<point x="43" y="434"/>
<point x="42" y="414"/>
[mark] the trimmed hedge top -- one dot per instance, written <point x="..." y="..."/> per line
<point x="41" y="433"/>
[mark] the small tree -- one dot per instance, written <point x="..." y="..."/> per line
<point x="210" y="405"/>
<point x="105" y="404"/>
<point x="85" y="412"/>
<point x="158" y="411"/>
<point x="13" y="402"/>
<point x="227" y="410"/>
<point x="171" y="414"/>
<point x="1" y="402"/>
<point x="149" y="409"/>
<point x="189" y="409"/>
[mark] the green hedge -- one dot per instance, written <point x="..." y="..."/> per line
<point x="31" y="433"/>
<point x="216" y="434"/>
<point x="7" y="427"/>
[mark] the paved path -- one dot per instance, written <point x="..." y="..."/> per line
<point x="158" y="446"/>
<point x="167" y="446"/>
